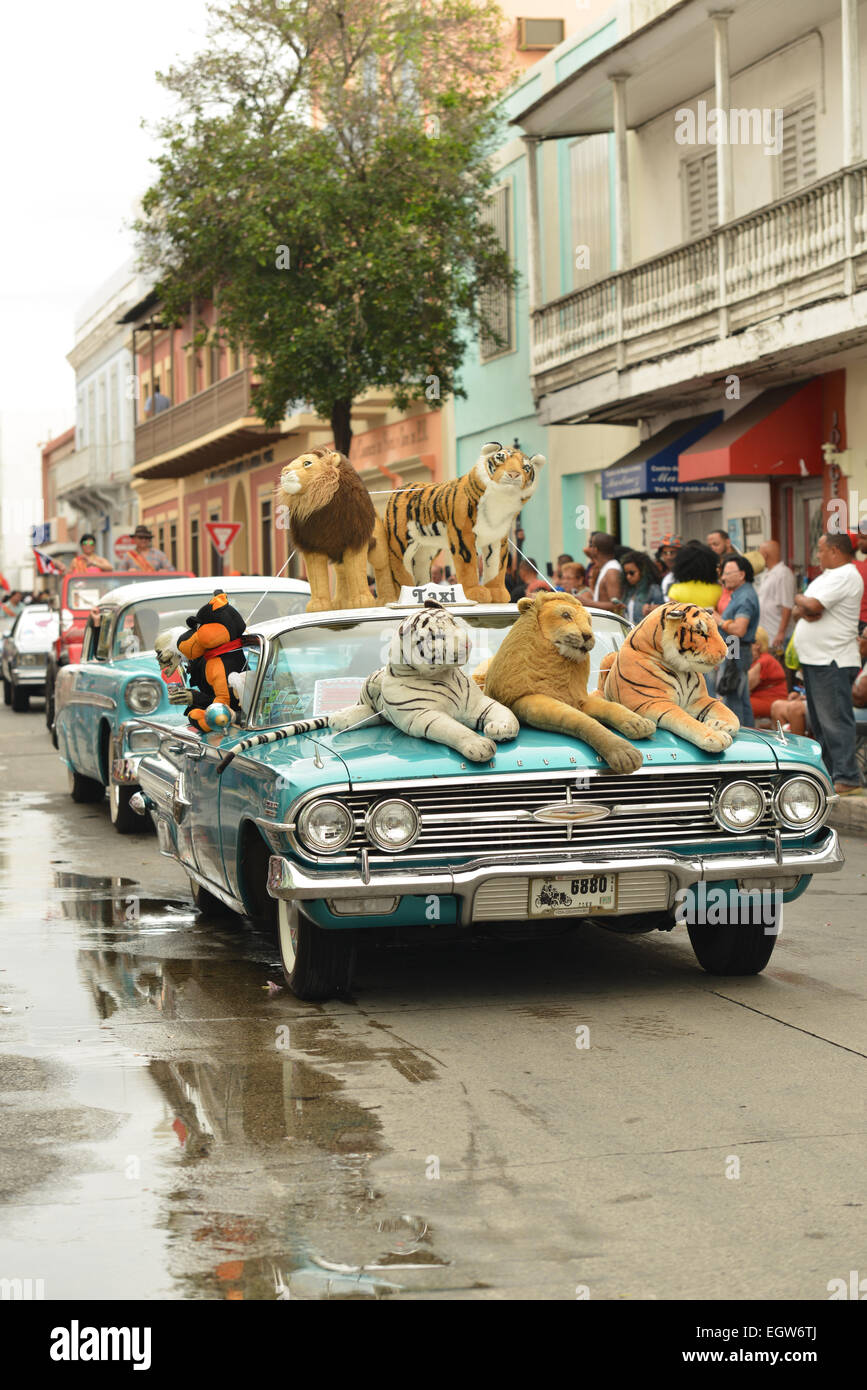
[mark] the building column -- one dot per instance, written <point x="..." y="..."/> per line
<point x="621" y="176"/>
<point x="851" y="84"/>
<point x="534" y="262"/>
<point x="722" y="99"/>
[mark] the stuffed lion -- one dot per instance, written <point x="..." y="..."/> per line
<point x="540" y="673"/>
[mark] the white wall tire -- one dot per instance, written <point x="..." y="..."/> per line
<point x="123" y="817"/>
<point x="316" y="963"/>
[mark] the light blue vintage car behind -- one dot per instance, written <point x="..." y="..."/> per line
<point x="118" y="676"/>
<point x="324" y="834"/>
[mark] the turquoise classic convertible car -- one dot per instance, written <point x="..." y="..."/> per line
<point x="323" y="834"/>
<point x="118" y="676"/>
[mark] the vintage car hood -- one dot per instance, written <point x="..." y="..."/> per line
<point x="383" y="754"/>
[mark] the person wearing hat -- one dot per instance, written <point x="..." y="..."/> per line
<point x="86" y="561"/>
<point x="145" y="558"/>
<point x="668" y="548"/>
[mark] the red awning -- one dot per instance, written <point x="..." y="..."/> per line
<point x="777" y="435"/>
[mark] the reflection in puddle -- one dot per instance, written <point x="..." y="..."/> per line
<point x="236" y="1167"/>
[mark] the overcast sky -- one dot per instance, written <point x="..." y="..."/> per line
<point x="76" y="79"/>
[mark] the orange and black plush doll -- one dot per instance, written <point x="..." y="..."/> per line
<point x="211" y="646"/>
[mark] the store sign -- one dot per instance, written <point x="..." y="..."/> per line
<point x="657" y="520"/>
<point x="657" y="477"/>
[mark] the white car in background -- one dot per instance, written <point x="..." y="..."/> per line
<point x="25" y="654"/>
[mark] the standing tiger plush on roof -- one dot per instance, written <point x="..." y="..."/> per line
<point x="660" y="672"/>
<point x="472" y="515"/>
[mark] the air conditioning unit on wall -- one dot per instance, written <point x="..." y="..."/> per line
<point x="540" y="33"/>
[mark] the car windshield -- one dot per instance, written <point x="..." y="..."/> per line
<point x="34" y="622"/>
<point x="139" y="623"/>
<point x="87" y="591"/>
<point x="321" y="668"/>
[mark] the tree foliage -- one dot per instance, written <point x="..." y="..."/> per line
<point x="322" y="178"/>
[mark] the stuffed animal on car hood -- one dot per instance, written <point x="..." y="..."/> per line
<point x="540" y="671"/>
<point x="424" y="692"/>
<point x="211" y="645"/>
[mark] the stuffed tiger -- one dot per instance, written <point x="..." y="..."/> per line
<point x="423" y="692"/>
<point x="659" y="672"/>
<point x="472" y="515"/>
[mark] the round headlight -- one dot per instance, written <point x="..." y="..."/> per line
<point x="798" y="801"/>
<point x="143" y="696"/>
<point x="325" y="826"/>
<point x="739" y="806"/>
<point x="392" y="825"/>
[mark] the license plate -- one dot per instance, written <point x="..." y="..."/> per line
<point x="573" y="897"/>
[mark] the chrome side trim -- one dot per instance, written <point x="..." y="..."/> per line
<point x="90" y="697"/>
<point x="234" y="903"/>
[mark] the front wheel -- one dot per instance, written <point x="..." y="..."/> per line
<point x="83" y="789"/>
<point x="20" y="699"/>
<point x="316" y="963"/>
<point x="123" y="817"/>
<point x="734" y="948"/>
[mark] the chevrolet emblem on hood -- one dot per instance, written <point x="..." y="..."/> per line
<point x="572" y="812"/>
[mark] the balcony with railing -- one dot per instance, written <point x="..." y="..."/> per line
<point x="798" y="251"/>
<point x="213" y="426"/>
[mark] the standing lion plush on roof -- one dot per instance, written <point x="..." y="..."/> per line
<point x="331" y="518"/>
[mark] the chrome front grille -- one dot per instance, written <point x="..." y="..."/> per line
<point x="471" y="819"/>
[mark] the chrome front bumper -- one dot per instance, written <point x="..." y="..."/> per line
<point x="757" y="869"/>
<point x="28" y="675"/>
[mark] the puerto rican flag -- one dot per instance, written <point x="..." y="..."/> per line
<point x="44" y="563"/>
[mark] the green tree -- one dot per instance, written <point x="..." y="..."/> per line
<point x="322" y="178"/>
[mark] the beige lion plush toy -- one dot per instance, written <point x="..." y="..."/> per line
<point x="540" y="673"/>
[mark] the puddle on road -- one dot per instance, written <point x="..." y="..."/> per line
<point x="176" y="1127"/>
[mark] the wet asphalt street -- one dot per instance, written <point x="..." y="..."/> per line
<point x="172" y="1128"/>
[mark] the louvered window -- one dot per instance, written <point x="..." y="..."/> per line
<point x="798" y="158"/>
<point x="495" y="306"/>
<point x="701" y="209"/>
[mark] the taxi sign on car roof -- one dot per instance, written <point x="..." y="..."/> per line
<point x="414" y="595"/>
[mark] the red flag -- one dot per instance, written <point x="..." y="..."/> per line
<point x="45" y="564"/>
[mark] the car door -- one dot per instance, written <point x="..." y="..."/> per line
<point x="204" y="843"/>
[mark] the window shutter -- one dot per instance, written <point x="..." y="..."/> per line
<point x="496" y="305"/>
<point x="798" y="159"/>
<point x="591" y="209"/>
<point x="702" y="207"/>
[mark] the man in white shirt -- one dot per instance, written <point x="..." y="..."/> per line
<point x="826" y="640"/>
<point x="608" y="588"/>
<point x="776" y="596"/>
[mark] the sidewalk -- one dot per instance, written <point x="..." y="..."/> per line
<point x="850" y="815"/>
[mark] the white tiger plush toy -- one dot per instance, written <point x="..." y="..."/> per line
<point x="423" y="691"/>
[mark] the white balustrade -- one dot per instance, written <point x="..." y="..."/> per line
<point x="771" y="248"/>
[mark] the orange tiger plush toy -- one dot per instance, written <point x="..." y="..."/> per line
<point x="660" y="672"/>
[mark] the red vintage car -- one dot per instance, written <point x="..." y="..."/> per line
<point x="77" y="595"/>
